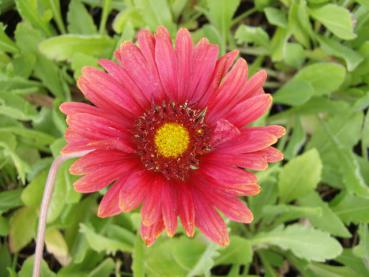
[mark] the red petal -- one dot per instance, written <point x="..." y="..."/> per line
<point x="186" y="210"/>
<point x="150" y="233"/>
<point x="169" y="208"/>
<point x="109" y="205"/>
<point x="209" y="221"/>
<point x="134" y="190"/>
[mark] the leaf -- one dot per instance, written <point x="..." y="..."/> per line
<point x="293" y="54"/>
<point x="22" y="228"/>
<point x="30" y="11"/>
<point x="4" y="227"/>
<point x="27" y="268"/>
<point x="328" y="221"/>
<point x="79" y="60"/>
<point x="298" y="22"/>
<point x="237" y="252"/>
<point x="277" y="43"/>
<point x="296" y="141"/>
<point x="333" y="47"/>
<point x="105" y="269"/>
<point x="304" y="242"/>
<point x="63" y="47"/>
<point x="336" y="19"/>
<point x="10" y="199"/>
<point x="155" y="13"/>
<point x="362" y="249"/>
<point x="276" y="17"/>
<point x="352" y="209"/>
<point x="255" y="35"/>
<point x="8" y="143"/>
<point x="79" y="20"/>
<point x="205" y="261"/>
<point x="56" y="245"/>
<point x="27" y="40"/>
<point x="138" y="258"/>
<point x="289" y="212"/>
<point x="32" y="194"/>
<point x="16" y="107"/>
<point x="324" y="77"/>
<point x="331" y="271"/>
<point x="296" y="92"/>
<point x="350" y="260"/>
<point x="100" y="243"/>
<point x="220" y="15"/>
<point x="5" y="260"/>
<point x="300" y="176"/>
<point x="6" y="44"/>
<point x="181" y="257"/>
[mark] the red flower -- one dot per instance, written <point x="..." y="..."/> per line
<point x="167" y="131"/>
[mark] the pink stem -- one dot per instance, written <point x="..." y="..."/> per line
<point x="49" y="188"/>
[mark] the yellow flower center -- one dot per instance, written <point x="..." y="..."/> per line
<point x="172" y="140"/>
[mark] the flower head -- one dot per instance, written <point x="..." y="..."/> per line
<point x="169" y="131"/>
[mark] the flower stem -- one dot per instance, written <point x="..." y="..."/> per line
<point x="46" y="198"/>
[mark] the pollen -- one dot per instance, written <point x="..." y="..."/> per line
<point x="172" y="140"/>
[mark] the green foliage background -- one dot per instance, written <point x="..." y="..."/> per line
<point x="312" y="216"/>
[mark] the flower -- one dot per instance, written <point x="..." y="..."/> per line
<point x="169" y="131"/>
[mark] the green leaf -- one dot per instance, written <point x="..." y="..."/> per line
<point x="289" y="212"/>
<point x="294" y="54"/>
<point x="32" y="194"/>
<point x="324" y="77"/>
<point x="65" y="46"/>
<point x="350" y="260"/>
<point x="79" y="20"/>
<point x="296" y="92"/>
<point x="30" y="11"/>
<point x="22" y="228"/>
<point x="16" y="106"/>
<point x="27" y="40"/>
<point x="79" y="60"/>
<point x="237" y="252"/>
<point x="56" y="245"/>
<point x="352" y="209"/>
<point x="335" y="48"/>
<point x="220" y="15"/>
<point x="331" y="271"/>
<point x="206" y="261"/>
<point x="10" y="199"/>
<point x="336" y="19"/>
<point x="27" y="269"/>
<point x="8" y="142"/>
<point x="4" y="227"/>
<point x="5" y="260"/>
<point x="255" y="35"/>
<point x="155" y="13"/>
<point x="277" y="43"/>
<point x="181" y="257"/>
<point x="328" y="221"/>
<point x="276" y="17"/>
<point x="298" y="22"/>
<point x="300" y="176"/>
<point x="105" y="269"/>
<point x="296" y="140"/>
<point x="138" y="258"/>
<point x="100" y="243"/>
<point x="304" y="242"/>
<point x="6" y="44"/>
<point x="362" y="249"/>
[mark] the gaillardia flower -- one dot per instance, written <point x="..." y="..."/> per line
<point x="169" y="131"/>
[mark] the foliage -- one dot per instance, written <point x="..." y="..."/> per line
<point x="313" y="213"/>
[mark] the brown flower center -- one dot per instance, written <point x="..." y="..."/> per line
<point x="171" y="138"/>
